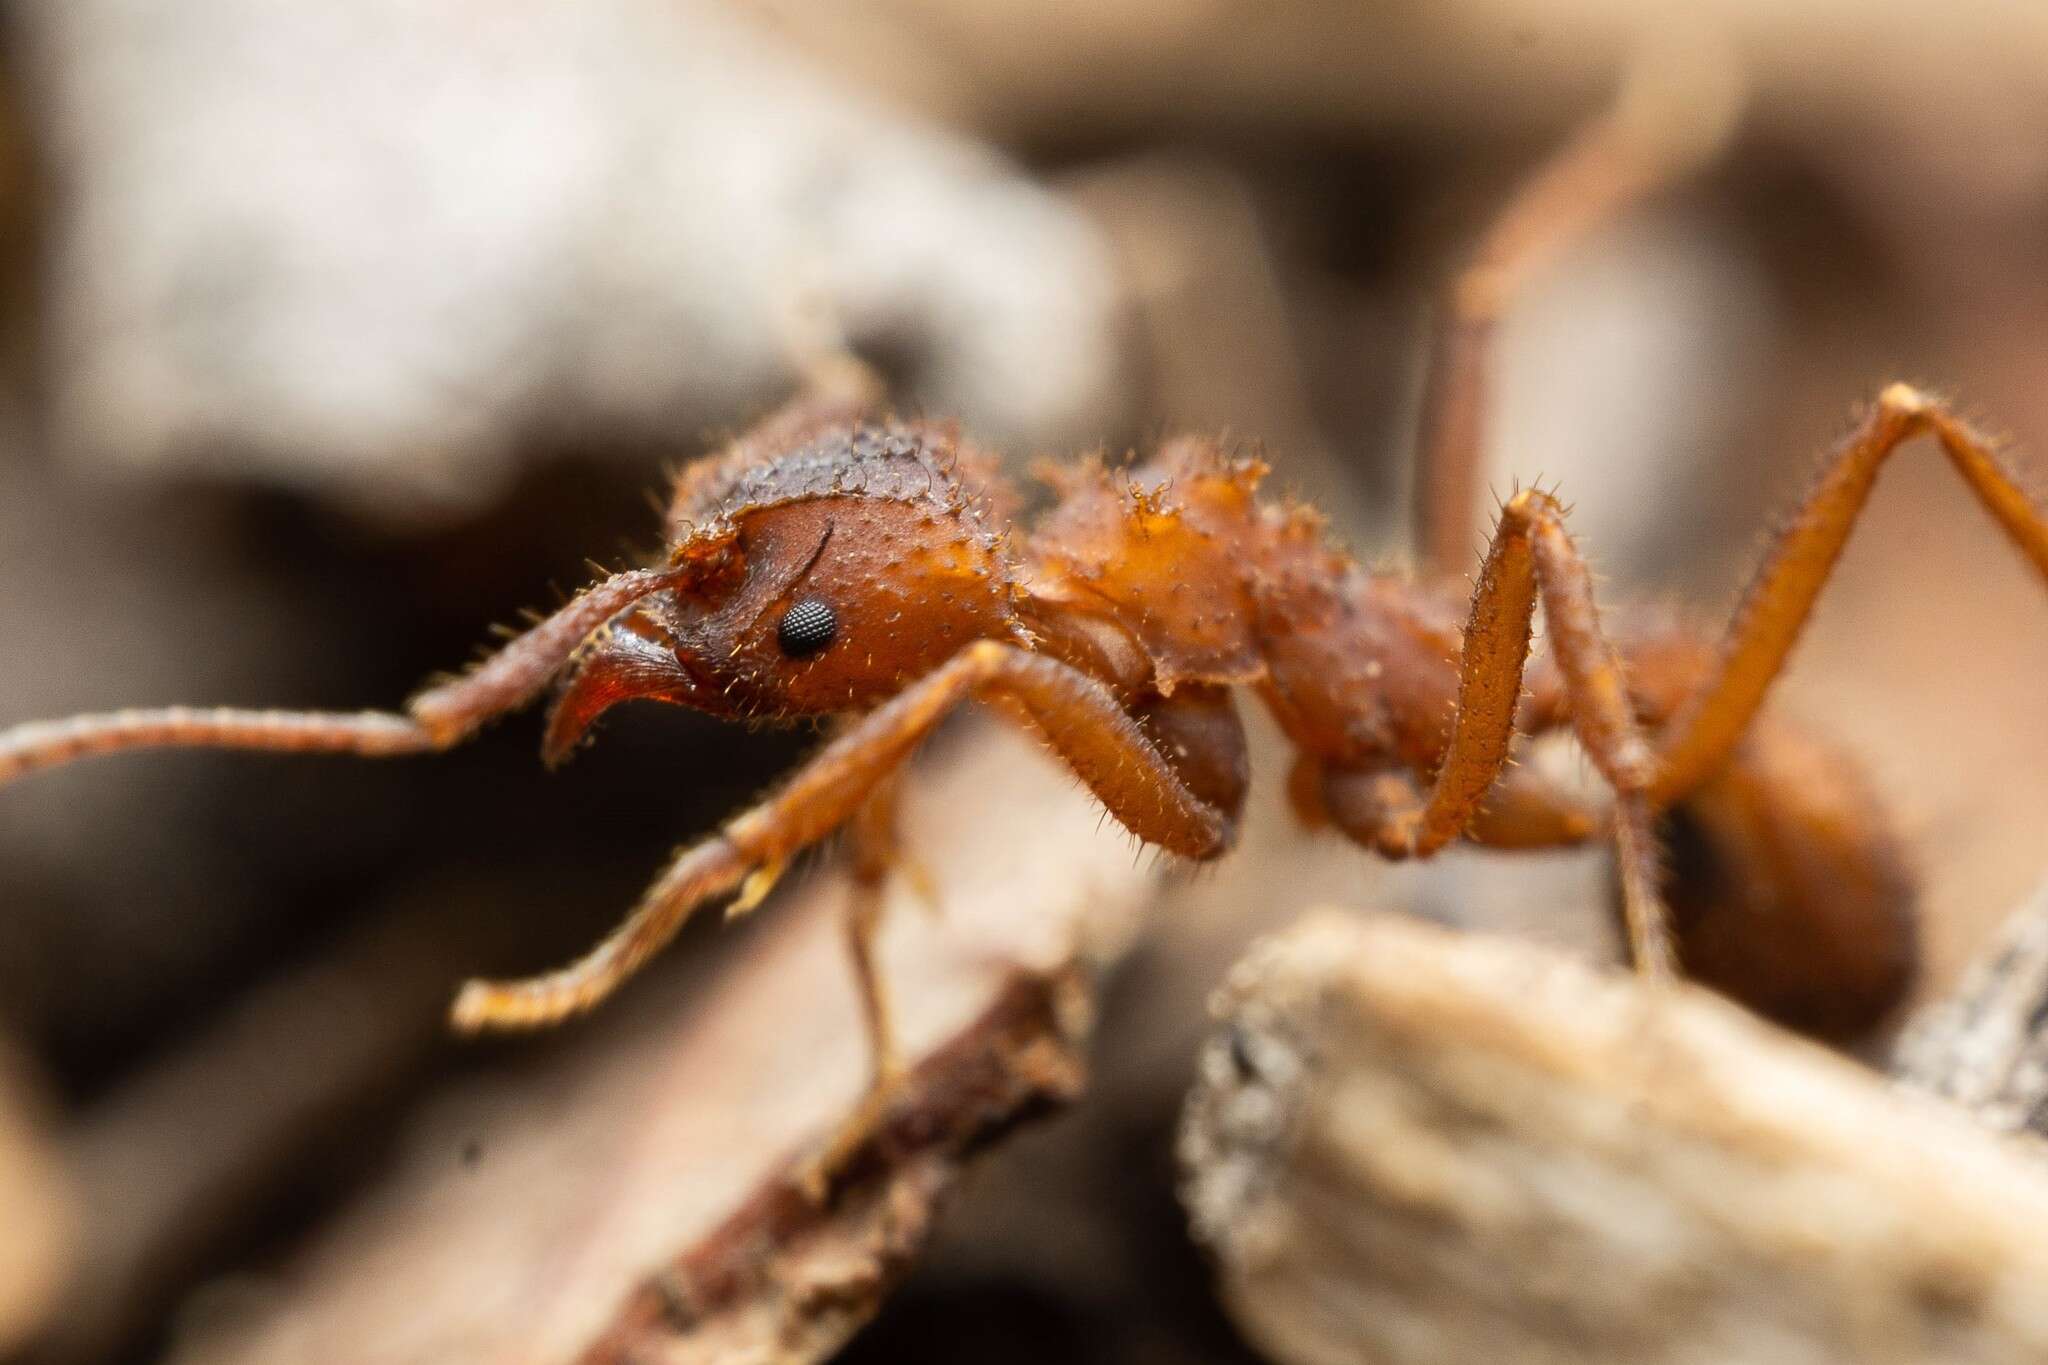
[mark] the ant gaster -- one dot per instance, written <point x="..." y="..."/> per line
<point x="837" y="562"/>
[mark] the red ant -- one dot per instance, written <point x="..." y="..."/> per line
<point x="833" y="562"/>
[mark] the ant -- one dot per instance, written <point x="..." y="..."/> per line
<point x="836" y="562"/>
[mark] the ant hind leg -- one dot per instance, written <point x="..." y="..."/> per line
<point x="1674" y="111"/>
<point x="1790" y="890"/>
<point x="1699" y="739"/>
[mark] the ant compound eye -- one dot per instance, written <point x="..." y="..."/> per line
<point x="806" y="628"/>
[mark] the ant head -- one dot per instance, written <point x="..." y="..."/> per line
<point x="816" y="573"/>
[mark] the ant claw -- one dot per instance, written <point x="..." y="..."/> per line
<point x="822" y="1170"/>
<point x="756" y="887"/>
<point x="922" y="884"/>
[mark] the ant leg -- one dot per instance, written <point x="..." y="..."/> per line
<point x="1081" y="719"/>
<point x="438" y="718"/>
<point x="1786" y="887"/>
<point x="1523" y="810"/>
<point x="1198" y="732"/>
<point x="1533" y="806"/>
<point x="1531" y="551"/>
<point x="1697" y="742"/>
<point x="875" y="852"/>
<point x="871" y="838"/>
<point x="1665" y="122"/>
<point x="1526" y="810"/>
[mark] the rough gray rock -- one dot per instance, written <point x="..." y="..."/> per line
<point x="373" y="250"/>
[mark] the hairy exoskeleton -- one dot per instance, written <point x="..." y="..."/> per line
<point x="838" y="562"/>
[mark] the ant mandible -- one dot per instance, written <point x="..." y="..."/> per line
<point x="832" y="562"/>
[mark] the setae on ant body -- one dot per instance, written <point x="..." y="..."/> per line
<point x="835" y="562"/>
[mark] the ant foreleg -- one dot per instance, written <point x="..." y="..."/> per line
<point x="1696" y="744"/>
<point x="1081" y="719"/>
<point x="1666" y="120"/>
<point x="437" y="718"/>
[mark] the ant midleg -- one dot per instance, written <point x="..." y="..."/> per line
<point x="1533" y="554"/>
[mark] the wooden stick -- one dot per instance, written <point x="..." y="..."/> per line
<point x="638" y="1189"/>
<point x="1409" y="1145"/>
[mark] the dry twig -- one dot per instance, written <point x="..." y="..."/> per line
<point x="636" y="1195"/>
<point x="1410" y="1145"/>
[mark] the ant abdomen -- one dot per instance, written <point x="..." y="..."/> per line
<point x="1788" y="888"/>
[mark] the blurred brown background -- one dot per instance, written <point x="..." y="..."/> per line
<point x="328" y="338"/>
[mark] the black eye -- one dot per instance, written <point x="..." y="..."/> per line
<point x="806" y="628"/>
